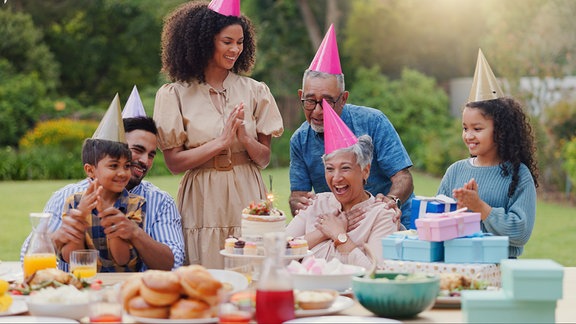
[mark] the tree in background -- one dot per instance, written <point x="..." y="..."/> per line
<point x="28" y="74"/>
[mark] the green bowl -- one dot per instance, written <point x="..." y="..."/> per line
<point x="396" y="298"/>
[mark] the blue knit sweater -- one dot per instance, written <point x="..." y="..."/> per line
<point x="510" y="216"/>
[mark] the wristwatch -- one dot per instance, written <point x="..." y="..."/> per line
<point x="396" y="199"/>
<point x="342" y="238"/>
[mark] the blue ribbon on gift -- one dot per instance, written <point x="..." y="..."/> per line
<point x="477" y="250"/>
<point x="399" y="242"/>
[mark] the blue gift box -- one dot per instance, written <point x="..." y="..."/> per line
<point x="532" y="279"/>
<point x="480" y="306"/>
<point x="422" y="205"/>
<point x="479" y="248"/>
<point x="410" y="248"/>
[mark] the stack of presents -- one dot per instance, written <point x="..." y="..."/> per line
<point x="443" y="239"/>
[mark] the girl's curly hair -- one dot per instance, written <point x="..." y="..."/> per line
<point x="188" y="41"/>
<point x="513" y="135"/>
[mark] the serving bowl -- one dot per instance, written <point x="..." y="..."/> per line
<point x="71" y="311"/>
<point x="389" y="296"/>
<point x="335" y="281"/>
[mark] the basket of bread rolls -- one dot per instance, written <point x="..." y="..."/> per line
<point x="189" y="292"/>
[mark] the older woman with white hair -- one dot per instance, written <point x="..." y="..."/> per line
<point x="325" y="224"/>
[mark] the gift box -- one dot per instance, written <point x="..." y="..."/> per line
<point x="422" y="205"/>
<point x="447" y="226"/>
<point x="480" y="306"/>
<point x="532" y="279"/>
<point x="399" y="246"/>
<point x="488" y="272"/>
<point x="478" y="248"/>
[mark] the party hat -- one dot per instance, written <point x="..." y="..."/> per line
<point x="225" y="7"/>
<point x="336" y="134"/>
<point x="485" y="86"/>
<point x="327" y="59"/>
<point x="111" y="127"/>
<point x="134" y="106"/>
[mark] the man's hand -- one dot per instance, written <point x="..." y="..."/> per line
<point x="389" y="203"/>
<point x="354" y="217"/>
<point x="300" y="200"/>
<point x="72" y="230"/>
<point x="117" y="225"/>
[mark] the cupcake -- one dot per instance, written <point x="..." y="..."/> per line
<point x="229" y="244"/>
<point x="250" y="248"/>
<point x="239" y="247"/>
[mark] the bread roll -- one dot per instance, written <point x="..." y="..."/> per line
<point x="130" y="288"/>
<point x="199" y="284"/>
<point x="137" y="306"/>
<point x="160" y="288"/>
<point x="190" y="308"/>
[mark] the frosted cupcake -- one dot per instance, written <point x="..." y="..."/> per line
<point x="250" y="248"/>
<point x="229" y="244"/>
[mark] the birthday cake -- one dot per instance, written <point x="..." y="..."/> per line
<point x="260" y="218"/>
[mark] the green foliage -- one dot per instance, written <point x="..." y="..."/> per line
<point x="28" y="73"/>
<point x="281" y="150"/>
<point x="40" y="163"/>
<point x="417" y="108"/>
<point x="283" y="50"/>
<point x="59" y="133"/>
<point x="23" y="48"/>
<point x="435" y="37"/>
<point x="569" y="154"/>
<point x="103" y="46"/>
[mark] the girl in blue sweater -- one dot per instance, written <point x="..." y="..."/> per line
<point x="499" y="180"/>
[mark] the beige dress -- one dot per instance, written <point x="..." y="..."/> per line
<point x="211" y="201"/>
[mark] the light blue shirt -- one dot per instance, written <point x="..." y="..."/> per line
<point x="163" y="222"/>
<point x="510" y="216"/>
<point x="390" y="156"/>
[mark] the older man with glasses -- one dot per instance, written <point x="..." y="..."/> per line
<point x="390" y="179"/>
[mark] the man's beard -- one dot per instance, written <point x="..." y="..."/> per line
<point x="317" y="129"/>
<point x="135" y="180"/>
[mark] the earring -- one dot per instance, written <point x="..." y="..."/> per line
<point x="364" y="181"/>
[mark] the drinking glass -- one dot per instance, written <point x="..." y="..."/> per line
<point x="105" y="305"/>
<point x="237" y="307"/>
<point x="83" y="263"/>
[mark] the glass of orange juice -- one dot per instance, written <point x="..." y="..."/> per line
<point x="83" y="263"/>
<point x="38" y="261"/>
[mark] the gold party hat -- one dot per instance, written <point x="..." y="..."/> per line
<point x="485" y="86"/>
<point x="111" y="127"/>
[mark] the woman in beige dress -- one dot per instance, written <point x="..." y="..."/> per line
<point x="213" y="124"/>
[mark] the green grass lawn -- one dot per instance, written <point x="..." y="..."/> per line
<point x="552" y="237"/>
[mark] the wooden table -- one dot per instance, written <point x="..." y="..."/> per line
<point x="565" y="309"/>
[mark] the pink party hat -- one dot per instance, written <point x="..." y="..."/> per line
<point x="327" y="59"/>
<point x="111" y="127"/>
<point x="336" y="134"/>
<point x="226" y="7"/>
<point x="134" y="106"/>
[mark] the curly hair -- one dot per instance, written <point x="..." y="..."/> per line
<point x="188" y="41"/>
<point x="513" y="136"/>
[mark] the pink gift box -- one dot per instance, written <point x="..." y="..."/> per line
<point x="447" y="226"/>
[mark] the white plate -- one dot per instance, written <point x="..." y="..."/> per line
<point x="290" y="257"/>
<point x="447" y="302"/>
<point x="18" y="307"/>
<point x="340" y="304"/>
<point x="343" y="319"/>
<point x="237" y="280"/>
<point x="173" y="321"/>
<point x="35" y="319"/>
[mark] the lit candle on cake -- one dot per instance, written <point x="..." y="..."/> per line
<point x="270" y="195"/>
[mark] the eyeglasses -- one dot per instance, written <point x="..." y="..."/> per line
<point x="310" y="104"/>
